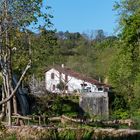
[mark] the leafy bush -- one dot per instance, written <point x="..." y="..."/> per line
<point x="88" y="135"/>
<point x="67" y="135"/>
<point x="136" y="118"/>
<point x="55" y="105"/>
<point x="61" y="85"/>
<point x="120" y="114"/>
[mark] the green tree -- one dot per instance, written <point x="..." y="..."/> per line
<point x="126" y="68"/>
<point x="15" y="16"/>
<point x="125" y="9"/>
<point x="43" y="49"/>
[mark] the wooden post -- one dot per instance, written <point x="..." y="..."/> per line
<point x="44" y="119"/>
<point x="39" y="120"/>
<point x="28" y="121"/>
<point x="3" y="105"/>
<point x="15" y="104"/>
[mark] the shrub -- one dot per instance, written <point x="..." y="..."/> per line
<point x="120" y="114"/>
<point x="67" y="135"/>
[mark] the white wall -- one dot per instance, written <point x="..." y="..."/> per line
<point x="73" y="83"/>
<point x="50" y="82"/>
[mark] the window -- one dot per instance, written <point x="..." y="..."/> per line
<point x="66" y="88"/>
<point x="52" y="75"/>
<point x="100" y="89"/>
<point x="88" y="89"/>
<point x="83" y="85"/>
<point x="60" y="76"/>
<point x="53" y="87"/>
<point x="66" y="78"/>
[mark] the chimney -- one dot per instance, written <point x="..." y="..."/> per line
<point x="62" y="65"/>
<point x="100" y="79"/>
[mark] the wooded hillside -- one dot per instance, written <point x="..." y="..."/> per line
<point x="112" y="59"/>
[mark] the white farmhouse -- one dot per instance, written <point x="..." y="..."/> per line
<point x="72" y="81"/>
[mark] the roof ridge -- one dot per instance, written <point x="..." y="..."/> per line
<point x="78" y="75"/>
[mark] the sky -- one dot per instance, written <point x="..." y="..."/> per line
<point x="83" y="15"/>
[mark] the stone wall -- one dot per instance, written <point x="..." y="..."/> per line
<point x="95" y="103"/>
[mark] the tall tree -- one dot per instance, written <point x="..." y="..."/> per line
<point x="15" y="15"/>
<point x="126" y="68"/>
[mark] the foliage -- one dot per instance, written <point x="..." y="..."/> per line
<point x="42" y="51"/>
<point x="23" y="13"/>
<point x="125" y="9"/>
<point x="20" y="15"/>
<point x="4" y="135"/>
<point x="118" y="102"/>
<point x="120" y="114"/>
<point x="96" y="57"/>
<point x="2" y="127"/>
<point x="76" y="134"/>
<point x="88" y="135"/>
<point x="67" y="134"/>
<point x="15" y="17"/>
<point x="121" y="75"/>
<point x="55" y="105"/>
<point x="61" y="86"/>
<point x="48" y="48"/>
<point x="9" y="137"/>
<point x="136" y="118"/>
<point x="109" y="58"/>
<point x="125" y="69"/>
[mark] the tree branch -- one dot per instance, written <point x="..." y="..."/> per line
<point x="17" y="86"/>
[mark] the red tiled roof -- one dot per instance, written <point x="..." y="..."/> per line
<point x="77" y="75"/>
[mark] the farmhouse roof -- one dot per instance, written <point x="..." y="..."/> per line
<point x="77" y="75"/>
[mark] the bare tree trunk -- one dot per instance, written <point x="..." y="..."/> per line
<point x="15" y="104"/>
<point x="7" y="64"/>
<point x="8" y="92"/>
<point x="8" y="78"/>
<point x="9" y="108"/>
<point x="17" y="85"/>
<point x="3" y="93"/>
<point x="4" y="105"/>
